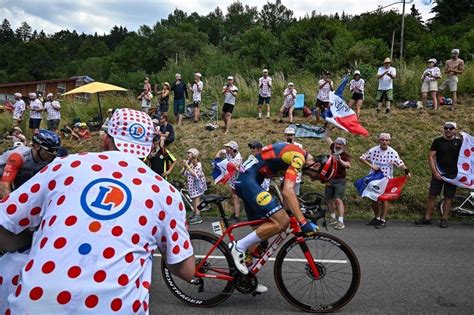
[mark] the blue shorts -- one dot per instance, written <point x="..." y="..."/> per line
<point x="258" y="202"/>
<point x="178" y="106"/>
<point x="262" y="100"/>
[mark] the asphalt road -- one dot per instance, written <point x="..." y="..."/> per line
<point x="405" y="269"/>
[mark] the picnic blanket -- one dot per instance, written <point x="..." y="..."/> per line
<point x="308" y="131"/>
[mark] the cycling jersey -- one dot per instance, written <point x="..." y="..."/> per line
<point x="18" y="165"/>
<point x="99" y="219"/>
<point x="277" y="159"/>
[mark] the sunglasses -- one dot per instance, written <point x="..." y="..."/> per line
<point x="448" y="128"/>
<point x="50" y="151"/>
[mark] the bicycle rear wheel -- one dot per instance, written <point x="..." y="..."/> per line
<point x="339" y="274"/>
<point x="207" y="292"/>
<point x="461" y="206"/>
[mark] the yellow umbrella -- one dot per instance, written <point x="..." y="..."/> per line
<point x="96" y="87"/>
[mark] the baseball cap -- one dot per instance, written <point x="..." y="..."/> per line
<point x="198" y="74"/>
<point x="32" y="95"/>
<point x="232" y="144"/>
<point x="18" y="95"/>
<point x="265" y="71"/>
<point x="110" y="110"/>
<point x="387" y="60"/>
<point x="451" y="124"/>
<point x="50" y="95"/>
<point x="341" y="140"/>
<point x="385" y="135"/>
<point x="433" y="60"/>
<point x="291" y="84"/>
<point x="230" y="78"/>
<point x="132" y="131"/>
<point x="357" y="72"/>
<point x="326" y="72"/>
<point x="194" y="152"/>
<point x="290" y="131"/>
<point x="455" y="51"/>
<point x="17" y="129"/>
<point x="255" y="145"/>
<point x="177" y="76"/>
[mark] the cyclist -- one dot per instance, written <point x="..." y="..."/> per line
<point x="273" y="160"/>
<point x="20" y="164"/>
<point x="99" y="218"/>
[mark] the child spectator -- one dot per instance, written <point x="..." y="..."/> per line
<point x="162" y="163"/>
<point x="80" y="132"/>
<point x="325" y="85"/>
<point x="357" y="88"/>
<point x="16" y="136"/>
<point x="289" y="97"/>
<point x="196" y="183"/>
<point x="429" y="80"/>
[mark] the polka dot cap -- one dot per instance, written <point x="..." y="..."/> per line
<point x="132" y="131"/>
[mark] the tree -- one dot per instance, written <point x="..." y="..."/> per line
<point x="275" y="17"/>
<point x="23" y="32"/>
<point x="415" y="13"/>
<point x="93" y="47"/>
<point x="451" y="11"/>
<point x="238" y="19"/>
<point x="6" y="33"/>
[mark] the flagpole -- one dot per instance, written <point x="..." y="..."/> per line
<point x="403" y="31"/>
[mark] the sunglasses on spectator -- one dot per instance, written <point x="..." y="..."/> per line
<point x="448" y="128"/>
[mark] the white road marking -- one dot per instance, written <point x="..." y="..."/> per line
<point x="329" y="261"/>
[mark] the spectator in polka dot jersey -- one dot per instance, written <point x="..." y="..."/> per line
<point x="96" y="257"/>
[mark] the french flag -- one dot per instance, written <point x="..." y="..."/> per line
<point x="343" y="116"/>
<point x="465" y="176"/>
<point x="377" y="187"/>
<point x="223" y="171"/>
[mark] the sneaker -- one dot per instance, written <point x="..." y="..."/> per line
<point x="380" y="224"/>
<point x="339" y="226"/>
<point x="373" y="222"/>
<point x="387" y="111"/>
<point x="280" y="120"/>
<point x="191" y="216"/>
<point x="443" y="223"/>
<point x="261" y="289"/>
<point x="259" y="117"/>
<point x="239" y="258"/>
<point x="423" y="221"/>
<point x="378" y="110"/>
<point x="195" y="220"/>
<point x="332" y="221"/>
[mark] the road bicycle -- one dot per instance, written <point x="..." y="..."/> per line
<point x="318" y="273"/>
<point x="187" y="200"/>
<point x="463" y="206"/>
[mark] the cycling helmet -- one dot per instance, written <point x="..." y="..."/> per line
<point x="48" y="140"/>
<point x="328" y="167"/>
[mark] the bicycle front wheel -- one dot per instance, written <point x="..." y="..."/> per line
<point x="338" y="268"/>
<point x="205" y="292"/>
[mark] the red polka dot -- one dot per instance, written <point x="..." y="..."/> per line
<point x="142" y="220"/>
<point x="186" y="245"/>
<point x="23" y="198"/>
<point x="52" y="220"/>
<point x="82" y="153"/>
<point x="158" y="178"/>
<point x="35" y="188"/>
<point x="1" y="280"/>
<point x="142" y="262"/>
<point x="154" y="230"/>
<point x="175" y="236"/>
<point x="123" y="163"/>
<point x="48" y="267"/>
<point x="29" y="265"/>
<point x="155" y="188"/>
<point x="44" y="169"/>
<point x="116" y="305"/>
<point x="24" y="222"/>
<point x="11" y="209"/>
<point x="18" y="290"/>
<point x="60" y="243"/>
<point x="463" y="179"/>
<point x="15" y="280"/>
<point x="181" y="206"/>
<point x="137" y="181"/>
<point x="136" y="305"/>
<point x="35" y="211"/>
<point x="109" y="252"/>
<point x="8" y="312"/>
<point x="61" y="200"/>
<point x="92" y="301"/>
<point x="129" y="257"/>
<point x="146" y="285"/>
<point x="43" y="242"/>
<point x="74" y="272"/>
<point x="75" y="164"/>
<point x="71" y="220"/>
<point x="141" y="170"/>
<point x="36" y="293"/>
<point x="56" y="167"/>
<point x="123" y="280"/>
<point x="96" y="168"/>
<point x="117" y="231"/>
<point x="173" y="223"/>
<point x="103" y="157"/>
<point x="117" y="175"/>
<point x="145" y="306"/>
<point x="137" y="283"/>
<point x="135" y="238"/>
<point x="176" y="250"/>
<point x="465" y="166"/>
<point x="100" y="276"/>
<point x="52" y="185"/>
<point x="169" y="200"/>
<point x="68" y="181"/>
<point x="149" y="203"/>
<point x="63" y="297"/>
<point x="172" y="189"/>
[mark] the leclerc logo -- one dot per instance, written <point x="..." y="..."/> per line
<point x="137" y="131"/>
<point x="106" y="199"/>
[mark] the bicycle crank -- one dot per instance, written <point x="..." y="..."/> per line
<point x="245" y="284"/>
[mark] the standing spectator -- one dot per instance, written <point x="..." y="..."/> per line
<point x="35" y="107"/>
<point x="230" y="92"/>
<point x="335" y="189"/>
<point x="325" y="86"/>
<point x="382" y="158"/>
<point x="289" y="99"/>
<point x="429" y="80"/>
<point x="162" y="162"/>
<point x="196" y="88"/>
<point x="180" y="95"/>
<point x="166" y="133"/>
<point x="52" y="107"/>
<point x="145" y="98"/>
<point x="231" y="153"/>
<point x="443" y="158"/>
<point x="196" y="183"/>
<point x="146" y="84"/>
<point x="290" y="138"/>
<point x="357" y="86"/>
<point x="452" y="68"/>
<point x="18" y="109"/>
<point x="264" y="93"/>
<point x="16" y="136"/>
<point x="105" y="125"/>
<point x="385" y="75"/>
<point x="163" y="102"/>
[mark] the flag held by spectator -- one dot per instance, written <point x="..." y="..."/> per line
<point x="379" y="188"/>
<point x="465" y="176"/>
<point x="343" y="116"/>
<point x="223" y="171"/>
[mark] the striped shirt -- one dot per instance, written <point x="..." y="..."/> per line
<point x="357" y="86"/>
<point x="18" y="109"/>
<point x="52" y="108"/>
<point x="35" y="105"/>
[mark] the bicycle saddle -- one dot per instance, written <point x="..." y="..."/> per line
<point x="213" y="198"/>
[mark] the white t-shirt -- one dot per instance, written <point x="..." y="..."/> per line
<point x="386" y="82"/>
<point x="323" y="93"/>
<point x="18" y="109"/>
<point x="197" y="88"/>
<point x="228" y="97"/>
<point x="357" y="86"/>
<point x="264" y="86"/>
<point x="52" y="108"/>
<point x="431" y="73"/>
<point x="290" y="98"/>
<point x="35" y="104"/>
<point x="99" y="219"/>
<point x="385" y="159"/>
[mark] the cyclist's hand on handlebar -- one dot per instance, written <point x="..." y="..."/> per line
<point x="309" y="227"/>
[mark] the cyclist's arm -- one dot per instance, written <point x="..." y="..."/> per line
<point x="290" y="200"/>
<point x="11" y="242"/>
<point x="185" y="269"/>
<point x="13" y="165"/>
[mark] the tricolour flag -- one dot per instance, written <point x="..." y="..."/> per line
<point x="379" y="188"/>
<point x="465" y="176"/>
<point x="223" y="171"/>
<point x="343" y="116"/>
